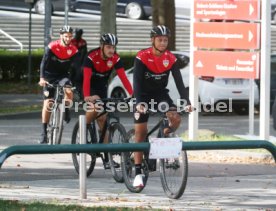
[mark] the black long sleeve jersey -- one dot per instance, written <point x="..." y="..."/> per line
<point x="57" y="61"/>
<point x="151" y="74"/>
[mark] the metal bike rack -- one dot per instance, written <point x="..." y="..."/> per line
<point x="12" y="38"/>
<point x="92" y="148"/>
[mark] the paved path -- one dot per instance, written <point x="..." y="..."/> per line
<point x="51" y="178"/>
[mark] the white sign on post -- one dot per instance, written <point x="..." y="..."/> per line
<point x="161" y="148"/>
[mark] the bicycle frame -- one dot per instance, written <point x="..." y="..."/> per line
<point x="55" y="126"/>
<point x="173" y="172"/>
<point x="163" y="122"/>
<point x="110" y="127"/>
<point x="106" y="124"/>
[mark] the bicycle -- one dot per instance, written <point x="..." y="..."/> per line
<point x="55" y="125"/>
<point x="173" y="172"/>
<point x="116" y="134"/>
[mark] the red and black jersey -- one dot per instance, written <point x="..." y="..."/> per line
<point x="79" y="43"/>
<point x="96" y="72"/>
<point x="57" y="61"/>
<point x="151" y="74"/>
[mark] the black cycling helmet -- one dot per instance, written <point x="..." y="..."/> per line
<point x="66" y="29"/>
<point x="78" y="32"/>
<point x="109" y="39"/>
<point x="160" y="30"/>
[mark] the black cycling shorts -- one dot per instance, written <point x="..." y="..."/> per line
<point x="162" y="102"/>
<point x="101" y="93"/>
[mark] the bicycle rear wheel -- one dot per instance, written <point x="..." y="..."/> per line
<point x="128" y="166"/>
<point x="117" y="135"/>
<point x="91" y="138"/>
<point x="174" y="174"/>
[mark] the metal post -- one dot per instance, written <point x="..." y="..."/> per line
<point x="265" y="70"/>
<point x="82" y="170"/>
<point x="66" y="9"/>
<point x="30" y="45"/>
<point x="193" y="84"/>
<point x="251" y="106"/>
<point x="48" y="24"/>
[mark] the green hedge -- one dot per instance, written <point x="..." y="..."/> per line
<point x="14" y="64"/>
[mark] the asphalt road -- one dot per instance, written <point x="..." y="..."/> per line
<point x="15" y="131"/>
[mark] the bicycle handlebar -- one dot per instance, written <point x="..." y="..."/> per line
<point x="116" y="100"/>
<point x="182" y="112"/>
<point x="57" y="85"/>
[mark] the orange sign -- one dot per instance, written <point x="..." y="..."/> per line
<point x="227" y="9"/>
<point x="226" y="35"/>
<point x="227" y="64"/>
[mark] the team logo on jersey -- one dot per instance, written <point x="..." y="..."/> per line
<point x="69" y="51"/>
<point x="109" y="63"/>
<point x="137" y="115"/>
<point x="166" y="63"/>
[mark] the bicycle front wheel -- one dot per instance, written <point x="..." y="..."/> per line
<point x="59" y="124"/>
<point x="50" y="128"/>
<point x="117" y="135"/>
<point x="55" y="125"/>
<point x="174" y="174"/>
<point x="90" y="157"/>
<point x="128" y="166"/>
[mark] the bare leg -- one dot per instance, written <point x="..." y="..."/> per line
<point x="101" y="122"/>
<point x="140" y="136"/>
<point x="174" y="120"/>
<point x="45" y="116"/>
<point x="46" y="110"/>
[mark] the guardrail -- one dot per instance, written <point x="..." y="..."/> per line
<point x="92" y="148"/>
<point x="13" y="39"/>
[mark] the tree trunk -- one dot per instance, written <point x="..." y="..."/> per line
<point x="108" y="16"/>
<point x="163" y="13"/>
<point x="170" y="21"/>
<point x="158" y="13"/>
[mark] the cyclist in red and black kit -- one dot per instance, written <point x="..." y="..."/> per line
<point x="55" y="67"/>
<point x="98" y="66"/>
<point x="152" y="67"/>
<point x="81" y="45"/>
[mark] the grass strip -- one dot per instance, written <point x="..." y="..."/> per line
<point x="20" y="109"/>
<point x="15" y="205"/>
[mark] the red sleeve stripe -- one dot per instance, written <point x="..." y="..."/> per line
<point x="87" y="74"/>
<point x="122" y="75"/>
